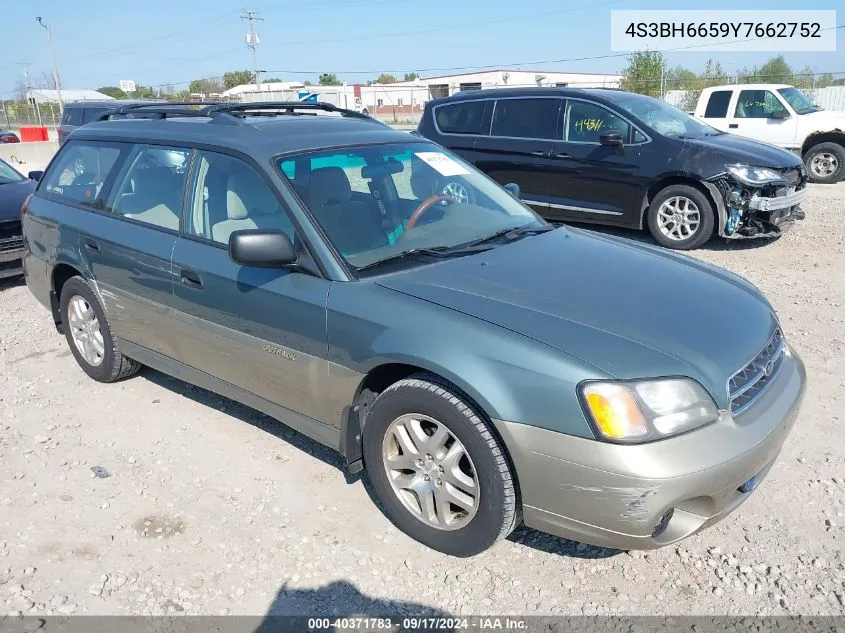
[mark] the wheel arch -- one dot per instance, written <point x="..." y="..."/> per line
<point x="834" y="136"/>
<point x="679" y="178"/>
<point x="59" y="276"/>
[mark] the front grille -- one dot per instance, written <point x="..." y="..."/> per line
<point x="746" y="385"/>
<point x="11" y="237"/>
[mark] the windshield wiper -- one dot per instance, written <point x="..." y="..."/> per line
<point x="513" y="233"/>
<point x="434" y="251"/>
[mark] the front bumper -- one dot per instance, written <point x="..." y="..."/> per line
<point x="791" y="199"/>
<point x="650" y="495"/>
<point x="10" y="262"/>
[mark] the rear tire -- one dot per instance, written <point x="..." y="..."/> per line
<point x="89" y="335"/>
<point x="681" y="217"/>
<point x="406" y="475"/>
<point x="825" y="163"/>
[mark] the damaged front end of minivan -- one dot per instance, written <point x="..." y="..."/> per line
<point x="757" y="202"/>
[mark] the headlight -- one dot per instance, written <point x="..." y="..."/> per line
<point x="646" y="410"/>
<point x="749" y="175"/>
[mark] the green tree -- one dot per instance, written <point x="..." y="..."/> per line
<point x="410" y="76"/>
<point x="824" y="80"/>
<point x="329" y="79"/>
<point x="307" y="82"/>
<point x="643" y="73"/>
<point x="272" y="80"/>
<point x="775" y="71"/>
<point x="384" y="78"/>
<point x="238" y="78"/>
<point x="206" y="85"/>
<point x="112" y="91"/>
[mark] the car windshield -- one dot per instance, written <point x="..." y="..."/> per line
<point x="798" y="100"/>
<point x="377" y="202"/>
<point x="662" y="117"/>
<point x="8" y="174"/>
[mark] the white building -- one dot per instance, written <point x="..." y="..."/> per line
<point x="52" y="96"/>
<point x="410" y="96"/>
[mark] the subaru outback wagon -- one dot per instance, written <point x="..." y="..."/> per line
<point x="484" y="368"/>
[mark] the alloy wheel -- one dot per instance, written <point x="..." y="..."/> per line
<point x="85" y="330"/>
<point x="678" y="218"/>
<point x="824" y="164"/>
<point x="430" y="471"/>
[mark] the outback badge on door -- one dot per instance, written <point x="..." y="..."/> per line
<point x="278" y="351"/>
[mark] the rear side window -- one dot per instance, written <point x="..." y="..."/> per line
<point x="526" y="118"/>
<point x="151" y="185"/>
<point x="72" y="116"/>
<point x="717" y="105"/>
<point x="92" y="113"/>
<point x="79" y="172"/>
<point x="460" y="118"/>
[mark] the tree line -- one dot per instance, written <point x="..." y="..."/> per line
<point x="648" y="73"/>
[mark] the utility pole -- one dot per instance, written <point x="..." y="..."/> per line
<point x="55" y="66"/>
<point x="252" y="41"/>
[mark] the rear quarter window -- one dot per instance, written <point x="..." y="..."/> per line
<point x="92" y="113"/>
<point x="72" y="116"/>
<point x="460" y="118"/>
<point x="80" y="171"/>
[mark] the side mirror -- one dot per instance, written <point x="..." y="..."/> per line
<point x="779" y="114"/>
<point x="513" y="189"/>
<point x="263" y="248"/>
<point x="35" y="175"/>
<point x="611" y="139"/>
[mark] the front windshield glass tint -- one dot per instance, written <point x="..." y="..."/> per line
<point x="662" y="117"/>
<point x="376" y="201"/>
<point x="8" y="175"/>
<point x="798" y="100"/>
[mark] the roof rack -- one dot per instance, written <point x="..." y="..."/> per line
<point x="161" y="108"/>
<point x="279" y="107"/>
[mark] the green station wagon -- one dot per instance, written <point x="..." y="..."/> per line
<point x="380" y="295"/>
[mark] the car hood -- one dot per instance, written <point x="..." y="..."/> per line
<point x="738" y="149"/>
<point x="12" y="196"/>
<point x="823" y="120"/>
<point x="625" y="308"/>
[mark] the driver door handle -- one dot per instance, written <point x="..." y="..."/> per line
<point x="539" y="152"/>
<point x="733" y="125"/>
<point x="190" y="279"/>
<point x="562" y="155"/>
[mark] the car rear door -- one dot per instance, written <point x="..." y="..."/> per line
<point x="260" y="329"/>
<point x="127" y="245"/>
<point x="755" y="115"/>
<point x="594" y="182"/>
<point x="519" y="146"/>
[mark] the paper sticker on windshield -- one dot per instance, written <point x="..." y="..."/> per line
<point x="444" y="165"/>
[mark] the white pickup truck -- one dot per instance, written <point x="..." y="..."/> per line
<point x="780" y="115"/>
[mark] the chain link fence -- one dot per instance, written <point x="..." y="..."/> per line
<point x="17" y="114"/>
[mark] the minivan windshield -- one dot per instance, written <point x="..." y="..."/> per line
<point x="662" y="117"/>
<point x="379" y="202"/>
<point x="798" y="100"/>
<point x="8" y="175"/>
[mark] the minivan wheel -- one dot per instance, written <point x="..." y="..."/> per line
<point x="825" y="163"/>
<point x="89" y="336"/>
<point x="680" y="217"/>
<point x="438" y="470"/>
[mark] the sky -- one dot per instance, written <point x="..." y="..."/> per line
<point x="157" y="42"/>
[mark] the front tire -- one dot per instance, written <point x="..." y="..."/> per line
<point x="89" y="335"/>
<point x="825" y="163"/>
<point x="680" y="217"/>
<point x="440" y="473"/>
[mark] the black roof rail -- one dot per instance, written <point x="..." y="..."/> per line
<point x="279" y="106"/>
<point x="162" y="108"/>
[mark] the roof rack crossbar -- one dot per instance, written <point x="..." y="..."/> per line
<point x="243" y="108"/>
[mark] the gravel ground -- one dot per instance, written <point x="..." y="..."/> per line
<point x="154" y="497"/>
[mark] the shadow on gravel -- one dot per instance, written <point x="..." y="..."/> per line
<point x="339" y="600"/>
<point x="248" y="415"/>
<point x="11" y="282"/>
<point x="551" y="544"/>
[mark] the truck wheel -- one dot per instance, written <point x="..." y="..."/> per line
<point x="440" y="473"/>
<point x="680" y="217"/>
<point x="825" y="163"/>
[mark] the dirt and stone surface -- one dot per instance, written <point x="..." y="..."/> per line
<point x="153" y="497"/>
